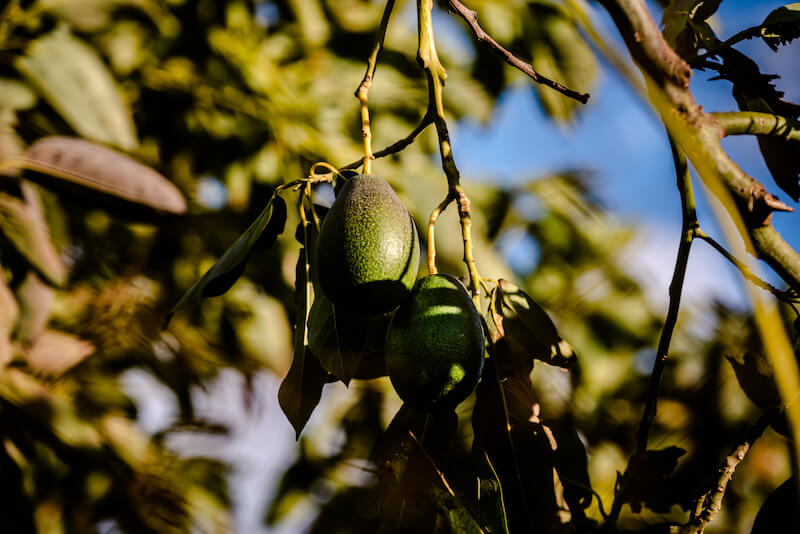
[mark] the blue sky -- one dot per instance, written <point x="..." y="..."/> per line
<point x="624" y="144"/>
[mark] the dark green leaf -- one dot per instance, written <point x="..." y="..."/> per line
<point x="490" y="496"/>
<point x="648" y="482"/>
<point x="526" y="329"/>
<point x="337" y="338"/>
<point x="23" y="223"/>
<point x="780" y="511"/>
<point x="301" y="389"/>
<point x="458" y="518"/>
<point x="572" y="465"/>
<point x="222" y="275"/>
<point x="96" y="175"/>
<point x="756" y="379"/>
<point x="781" y="26"/>
<point x="73" y="79"/>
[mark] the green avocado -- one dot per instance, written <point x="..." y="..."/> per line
<point x="434" y="345"/>
<point x="368" y="249"/>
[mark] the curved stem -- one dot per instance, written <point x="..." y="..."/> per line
<point x="398" y="145"/>
<point x="431" y="235"/>
<point x="362" y="92"/>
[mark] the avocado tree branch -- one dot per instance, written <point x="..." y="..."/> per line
<point x="711" y="501"/>
<point x="362" y="92"/>
<point x="689" y="228"/>
<point x="471" y="18"/>
<point x="755" y="123"/>
<point x="699" y="134"/>
<point x="398" y="145"/>
<point x="435" y="74"/>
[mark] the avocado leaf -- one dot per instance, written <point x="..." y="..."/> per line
<point x="522" y="329"/>
<point x="781" y="26"/>
<point x="301" y="389"/>
<point x="264" y="231"/>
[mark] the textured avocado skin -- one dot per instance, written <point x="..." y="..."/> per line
<point x="434" y="345"/>
<point x="368" y="248"/>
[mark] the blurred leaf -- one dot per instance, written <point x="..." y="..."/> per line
<point x="70" y="75"/>
<point x="86" y="15"/>
<point x="15" y="95"/>
<point x="224" y="273"/>
<point x="781" y="26"/>
<point x="560" y="53"/>
<point x="526" y="329"/>
<point x="35" y="300"/>
<point x="23" y="223"/>
<point x="85" y="171"/>
<point x="54" y="353"/>
<point x="780" y="511"/>
<point x="9" y="312"/>
<point x="647" y="481"/>
<point x="301" y="389"/>
<point x="756" y="378"/>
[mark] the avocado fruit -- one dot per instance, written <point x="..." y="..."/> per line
<point x="368" y="249"/>
<point x="435" y="344"/>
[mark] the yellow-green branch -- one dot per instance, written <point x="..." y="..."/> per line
<point x="362" y="93"/>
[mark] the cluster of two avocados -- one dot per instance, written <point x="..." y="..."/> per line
<point x="368" y="259"/>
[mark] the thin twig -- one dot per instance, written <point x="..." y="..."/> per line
<point x="743" y="35"/>
<point x="431" y="233"/>
<point x="688" y="228"/>
<point x="428" y="59"/>
<point x="399" y="145"/>
<point x="362" y="92"/>
<point x="745" y="270"/>
<point x="471" y="18"/>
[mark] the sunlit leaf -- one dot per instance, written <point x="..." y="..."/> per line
<point x="224" y="273"/>
<point x="9" y="311"/>
<point x="23" y="224"/>
<point x="458" y="518"/>
<point x="526" y="329"/>
<point x="93" y="174"/>
<point x="54" y="353"/>
<point x="35" y="300"/>
<point x="70" y="75"/>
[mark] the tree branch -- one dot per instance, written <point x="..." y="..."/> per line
<point x="471" y="18"/>
<point x="747" y="274"/>
<point x="688" y="228"/>
<point x="755" y="123"/>
<point x="711" y="502"/>
<point x="362" y="91"/>
<point x="435" y="74"/>
<point x="699" y="134"/>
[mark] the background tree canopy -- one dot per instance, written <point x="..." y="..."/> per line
<point x="157" y="153"/>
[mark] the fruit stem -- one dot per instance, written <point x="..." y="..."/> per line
<point x="435" y="74"/>
<point x="431" y="238"/>
<point x="362" y="91"/>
